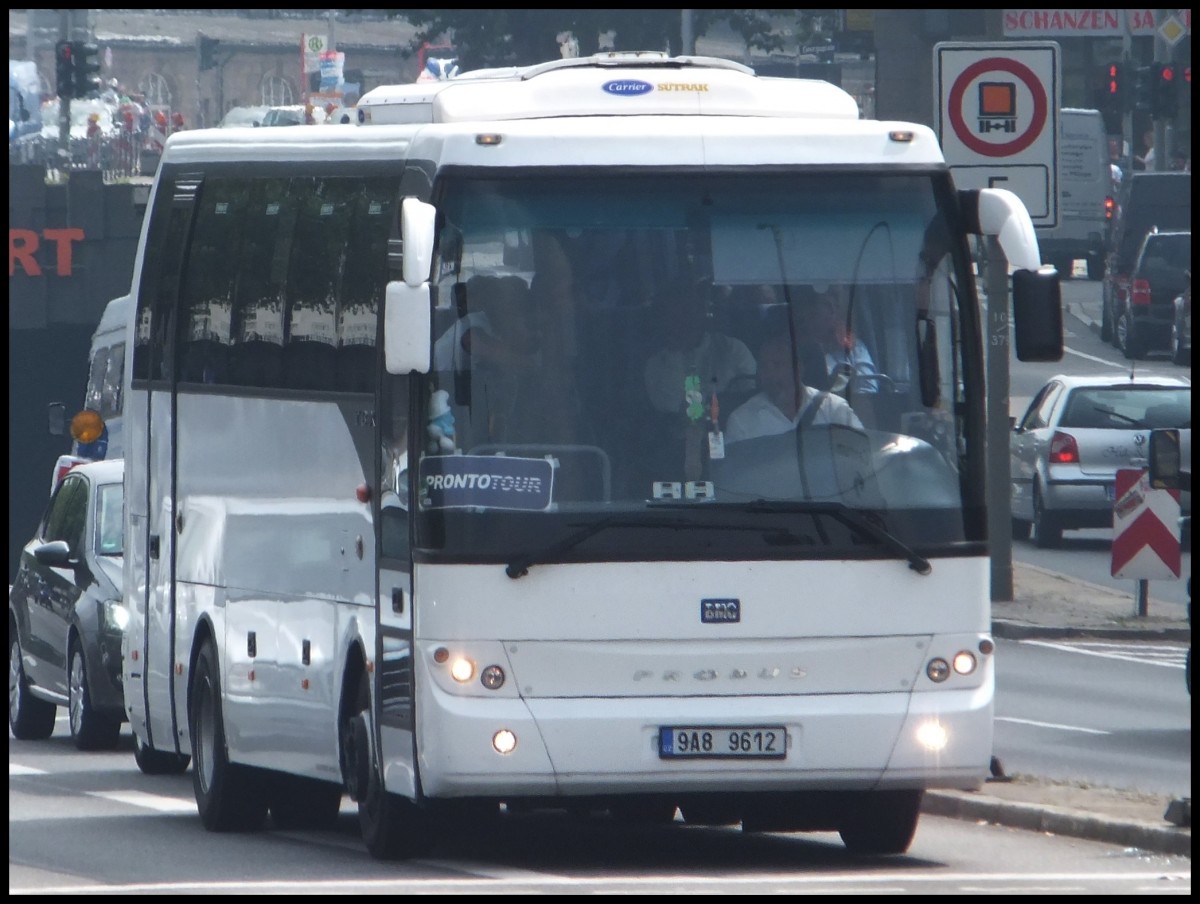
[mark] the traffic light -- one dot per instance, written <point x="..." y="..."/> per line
<point x="87" y="69"/>
<point x="1165" y="101"/>
<point x="1143" y="89"/>
<point x="206" y="49"/>
<point x="1113" y="86"/>
<point x="64" y="68"/>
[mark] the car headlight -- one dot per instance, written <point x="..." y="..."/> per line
<point x="113" y="616"/>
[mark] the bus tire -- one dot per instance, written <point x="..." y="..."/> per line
<point x="29" y="718"/>
<point x="158" y="762"/>
<point x="297" y="802"/>
<point x="229" y="797"/>
<point x="881" y="822"/>
<point x="393" y="827"/>
<point x="90" y="730"/>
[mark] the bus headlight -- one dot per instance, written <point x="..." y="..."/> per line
<point x="964" y="662"/>
<point x="492" y="677"/>
<point x="462" y="670"/>
<point x="938" y="670"/>
<point x="932" y="736"/>
<point x="504" y="741"/>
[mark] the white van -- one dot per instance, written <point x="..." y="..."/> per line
<point x="1086" y="195"/>
<point x="96" y="429"/>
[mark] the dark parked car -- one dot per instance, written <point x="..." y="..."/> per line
<point x="1145" y="201"/>
<point x="65" y="616"/>
<point x="1181" y="327"/>
<point x="1145" y="313"/>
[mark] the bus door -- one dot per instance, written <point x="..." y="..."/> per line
<point x="152" y="516"/>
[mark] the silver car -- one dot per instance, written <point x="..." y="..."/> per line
<point x="1077" y="432"/>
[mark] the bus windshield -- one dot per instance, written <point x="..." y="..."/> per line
<point x="700" y="363"/>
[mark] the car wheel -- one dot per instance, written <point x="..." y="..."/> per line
<point x="1065" y="266"/>
<point x="229" y="797"/>
<point x="91" y="730"/>
<point x="158" y="762"/>
<point x="1021" y="529"/>
<point x="1047" y="533"/>
<point x="29" y="718"/>
<point x="881" y="822"/>
<point x="1129" y="337"/>
<point x="1095" y="267"/>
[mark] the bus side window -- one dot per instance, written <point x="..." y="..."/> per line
<point x="314" y="278"/>
<point x="208" y="285"/>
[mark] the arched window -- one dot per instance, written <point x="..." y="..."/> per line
<point x="277" y="91"/>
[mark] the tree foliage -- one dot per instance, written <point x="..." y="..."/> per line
<point x="519" y="37"/>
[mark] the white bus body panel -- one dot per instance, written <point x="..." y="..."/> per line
<point x="608" y="653"/>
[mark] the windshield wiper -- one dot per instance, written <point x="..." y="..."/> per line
<point x="519" y="567"/>
<point x="853" y="519"/>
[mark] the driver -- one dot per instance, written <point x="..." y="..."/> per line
<point x="784" y="399"/>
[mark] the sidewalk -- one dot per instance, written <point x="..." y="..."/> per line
<point x="1048" y="604"/>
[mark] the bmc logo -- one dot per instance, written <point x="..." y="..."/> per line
<point x="23" y="244"/>
<point x="628" y="87"/>
<point x="720" y="611"/>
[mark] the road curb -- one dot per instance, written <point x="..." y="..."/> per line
<point x="1163" y="839"/>
<point x="1009" y="630"/>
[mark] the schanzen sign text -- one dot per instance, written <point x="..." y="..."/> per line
<point x="23" y="244"/>
<point x="1047" y="23"/>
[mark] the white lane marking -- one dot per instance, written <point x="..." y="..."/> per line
<point x="903" y="879"/>
<point x="1051" y="725"/>
<point x="1113" y="364"/>
<point x="15" y="769"/>
<point x="1150" y="655"/>
<point x="147" y="801"/>
<point x="493" y="871"/>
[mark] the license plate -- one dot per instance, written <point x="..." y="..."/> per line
<point x="696" y="742"/>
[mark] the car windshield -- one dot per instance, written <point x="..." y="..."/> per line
<point x="109" y="534"/>
<point x="1132" y="408"/>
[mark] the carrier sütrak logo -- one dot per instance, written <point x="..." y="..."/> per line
<point x="631" y="87"/>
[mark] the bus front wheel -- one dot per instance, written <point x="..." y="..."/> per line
<point x="228" y="796"/>
<point x="881" y="822"/>
<point x="393" y="827"/>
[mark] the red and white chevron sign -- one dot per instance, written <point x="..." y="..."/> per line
<point x="1145" y="529"/>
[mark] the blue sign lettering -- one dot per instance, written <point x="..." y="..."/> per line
<point x="486" y="481"/>
<point x="628" y="87"/>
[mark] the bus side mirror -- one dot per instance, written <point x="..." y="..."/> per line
<point x="1165" y="459"/>
<point x="407" y="328"/>
<point x="1037" y="314"/>
<point x="418" y="222"/>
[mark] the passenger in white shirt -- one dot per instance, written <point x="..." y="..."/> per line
<point x="784" y="398"/>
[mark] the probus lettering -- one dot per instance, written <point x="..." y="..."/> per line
<point x="23" y="245"/>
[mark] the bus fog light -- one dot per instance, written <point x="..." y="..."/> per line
<point x="964" y="662"/>
<point x="938" y="670"/>
<point x="492" y="677"/>
<point x="461" y="670"/>
<point x="504" y="741"/>
<point x="932" y="736"/>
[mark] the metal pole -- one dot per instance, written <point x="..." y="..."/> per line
<point x="1141" y="593"/>
<point x="1162" y="54"/>
<point x="999" y="505"/>
<point x="687" y="34"/>
<point x="1127" y="136"/>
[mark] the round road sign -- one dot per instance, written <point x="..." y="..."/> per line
<point x="997" y="107"/>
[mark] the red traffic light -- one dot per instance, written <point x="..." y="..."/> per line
<point x="1167" y="73"/>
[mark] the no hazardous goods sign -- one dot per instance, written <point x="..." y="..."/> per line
<point x="997" y="119"/>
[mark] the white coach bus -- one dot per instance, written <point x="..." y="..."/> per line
<point x="451" y="487"/>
